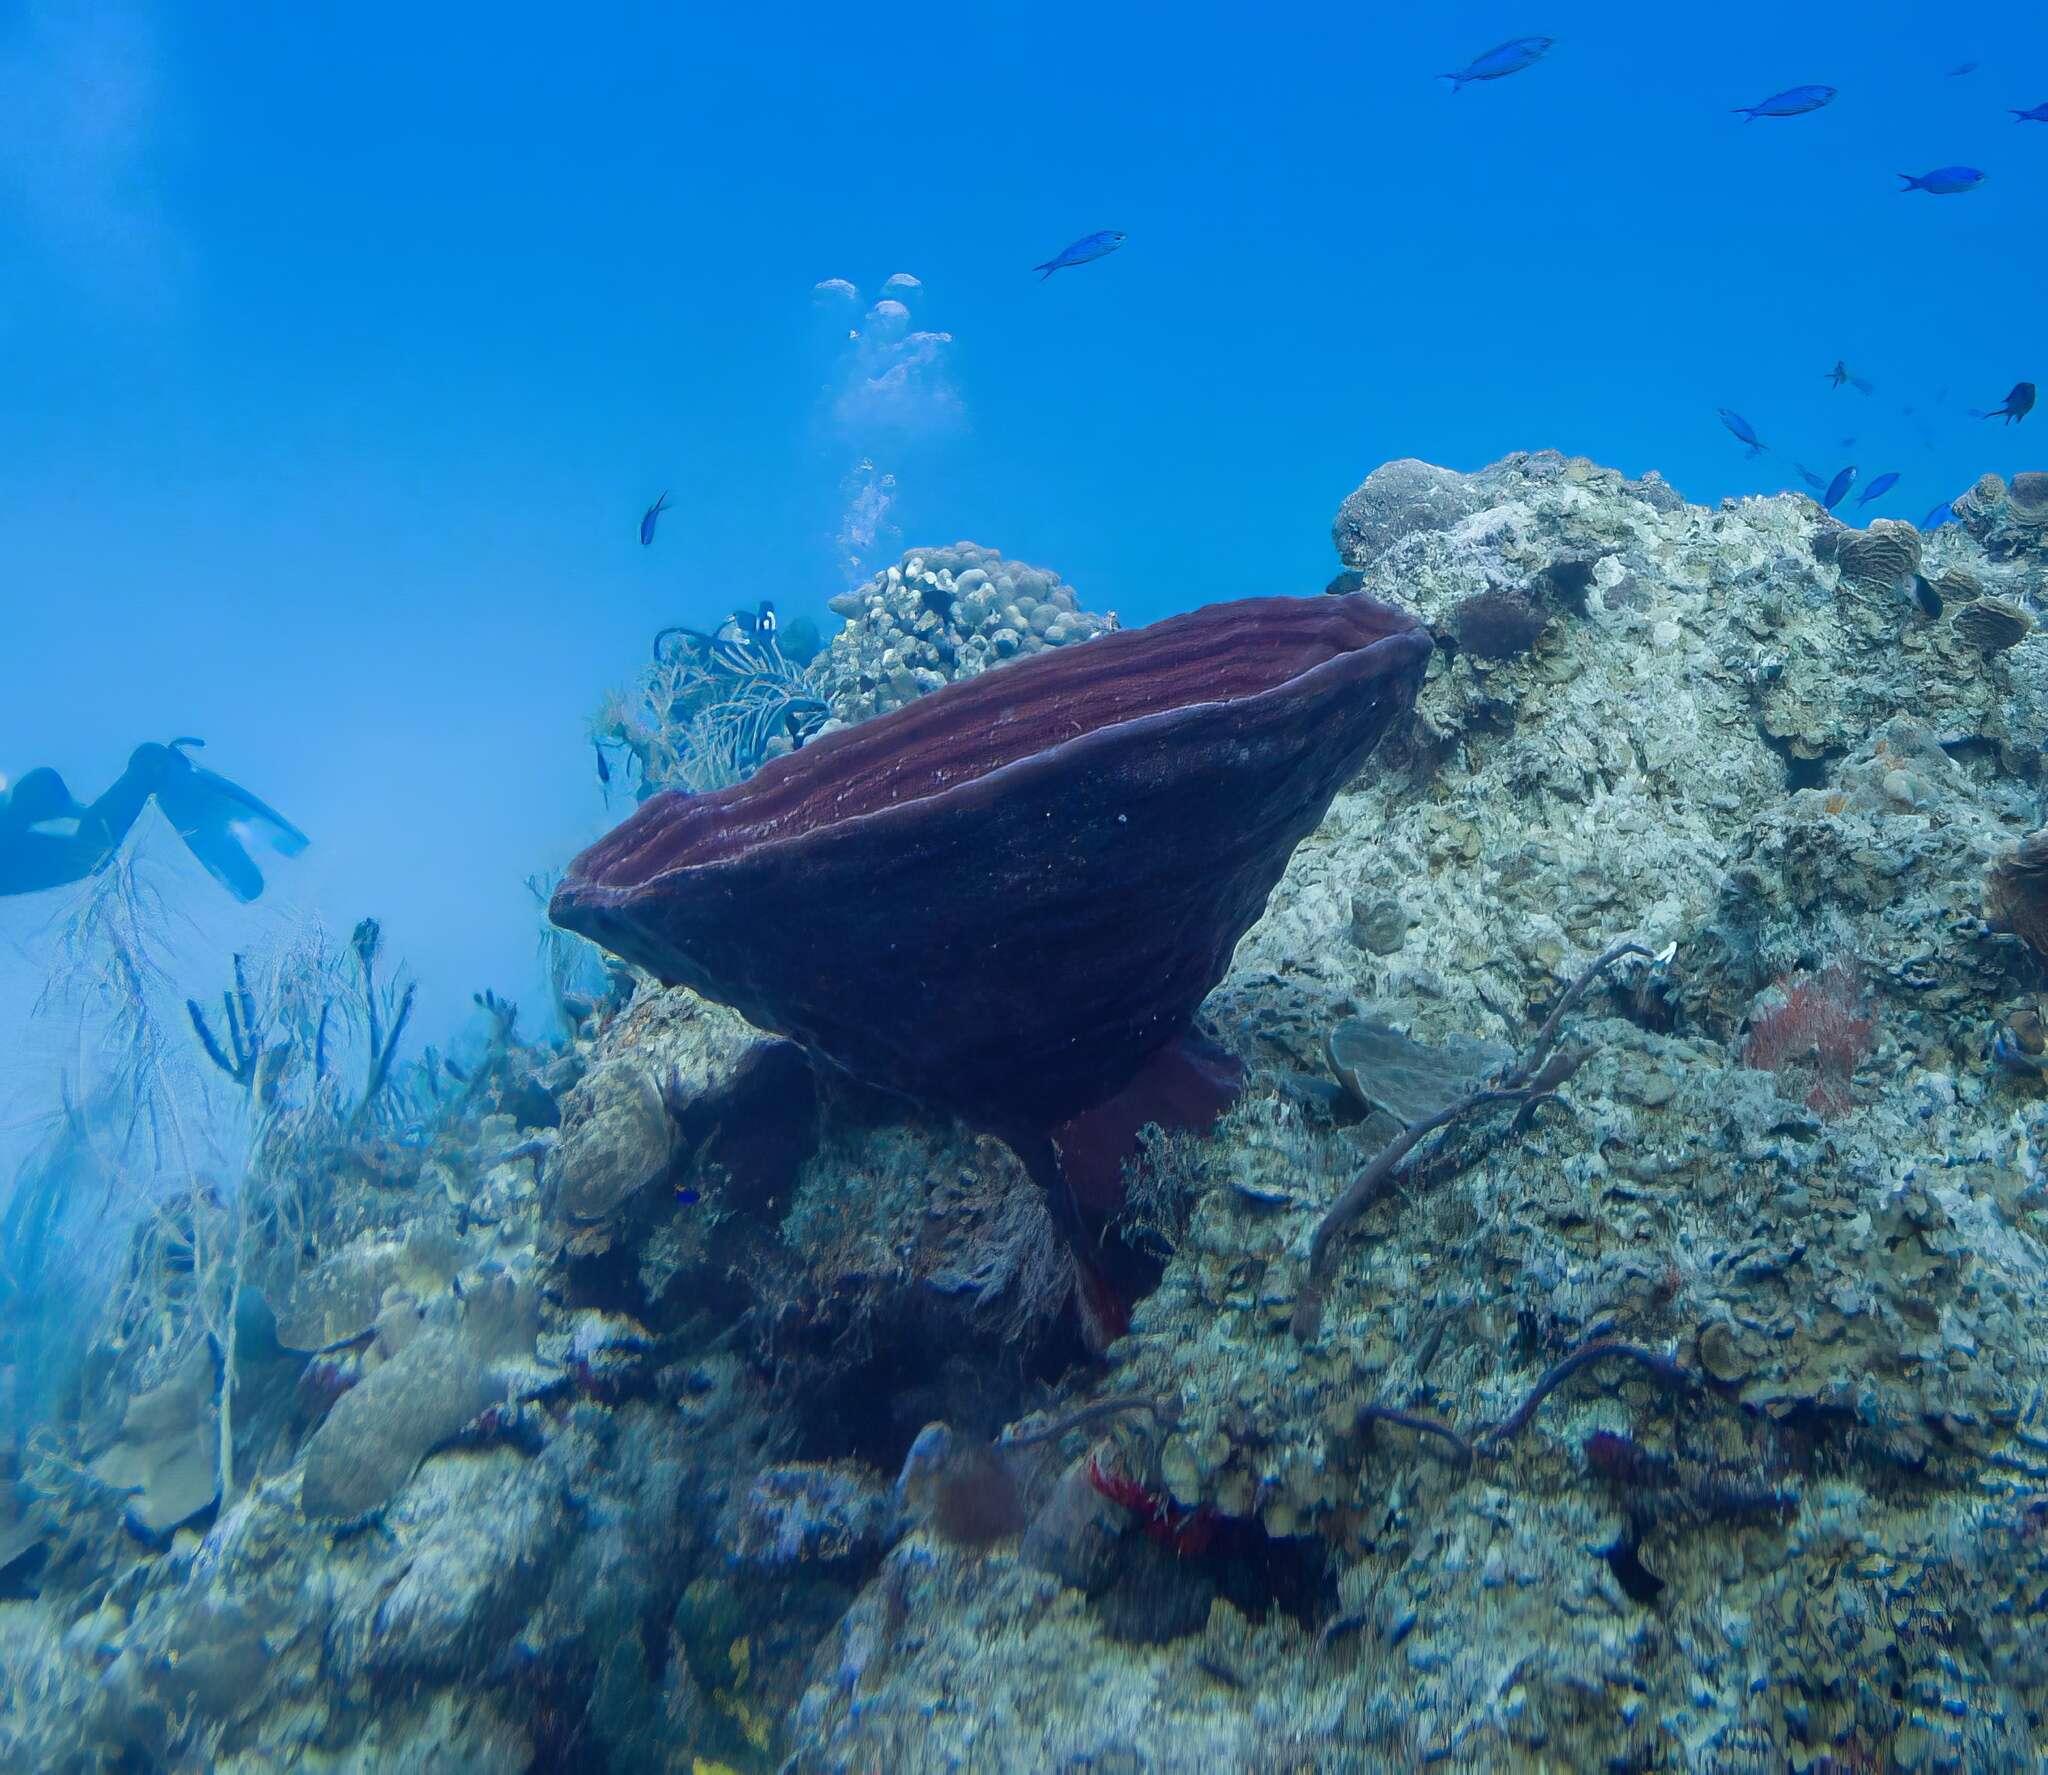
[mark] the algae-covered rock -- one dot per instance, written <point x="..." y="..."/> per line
<point x="813" y="1511"/>
<point x="1784" y="765"/>
<point x="484" y="1534"/>
<point x="218" y="1658"/>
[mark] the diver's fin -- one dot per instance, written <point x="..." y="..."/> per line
<point x="106" y="823"/>
<point x="203" y="823"/>
<point x="206" y="808"/>
<point x="284" y="838"/>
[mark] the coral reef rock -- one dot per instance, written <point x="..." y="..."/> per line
<point x="1689" y="1419"/>
<point x="1739" y="750"/>
<point x="2010" y="521"/>
<point x="682" y="1071"/>
<point x="942" y="614"/>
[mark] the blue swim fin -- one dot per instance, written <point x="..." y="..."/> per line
<point x="206" y="809"/>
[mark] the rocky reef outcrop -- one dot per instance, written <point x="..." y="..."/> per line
<point x="1791" y="1168"/>
<point x="712" y="1411"/>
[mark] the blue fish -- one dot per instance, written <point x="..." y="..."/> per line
<point x="1794" y="101"/>
<point x="1944" y="181"/>
<point x="2018" y="404"/>
<point x="1944" y="513"/>
<point x="1962" y="68"/>
<point x="1743" y="430"/>
<point x="1089" y="246"/>
<point x="647" y="521"/>
<point x="2039" y="114"/>
<point x="1838" y="486"/>
<point x="1509" y="58"/>
<point x="1878" y="488"/>
<point x="1841" y="373"/>
<point x="1810" y="478"/>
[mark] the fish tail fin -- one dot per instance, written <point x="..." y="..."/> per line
<point x="1457" y="83"/>
<point x="1742" y="111"/>
<point x="1911" y="184"/>
<point x="1049" y="268"/>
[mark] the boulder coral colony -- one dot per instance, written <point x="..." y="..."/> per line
<point x="706" y="1393"/>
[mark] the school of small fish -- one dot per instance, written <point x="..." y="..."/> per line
<point x="1514" y="57"/>
<point x="1944" y="181"/>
